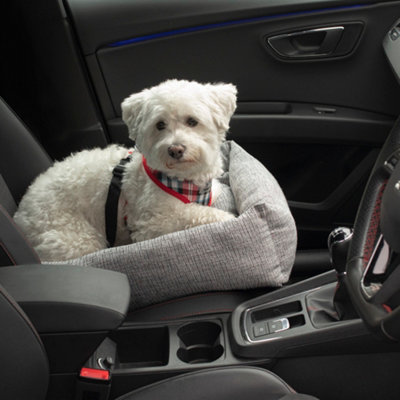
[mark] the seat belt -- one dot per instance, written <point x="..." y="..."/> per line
<point x="114" y="193"/>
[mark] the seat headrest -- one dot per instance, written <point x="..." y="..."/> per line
<point x="22" y="158"/>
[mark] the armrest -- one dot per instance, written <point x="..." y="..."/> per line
<point x="64" y="298"/>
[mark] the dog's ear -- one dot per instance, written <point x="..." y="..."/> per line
<point x="132" y="112"/>
<point x="224" y="99"/>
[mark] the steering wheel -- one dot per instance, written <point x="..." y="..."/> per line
<point x="373" y="264"/>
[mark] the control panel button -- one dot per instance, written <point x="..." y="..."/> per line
<point x="394" y="34"/>
<point x="278" y="325"/>
<point x="260" y="329"/>
<point x="392" y="161"/>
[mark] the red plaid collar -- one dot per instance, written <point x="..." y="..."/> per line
<point x="184" y="190"/>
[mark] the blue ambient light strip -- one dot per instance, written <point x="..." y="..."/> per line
<point x="225" y="24"/>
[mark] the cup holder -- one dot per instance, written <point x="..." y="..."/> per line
<point x="200" y="342"/>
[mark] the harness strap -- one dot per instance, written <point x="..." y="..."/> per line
<point x="111" y="208"/>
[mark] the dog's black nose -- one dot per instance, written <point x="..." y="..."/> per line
<point x="176" y="151"/>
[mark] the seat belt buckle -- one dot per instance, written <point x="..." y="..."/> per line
<point x="93" y="384"/>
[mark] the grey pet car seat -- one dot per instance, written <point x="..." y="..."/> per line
<point x="257" y="249"/>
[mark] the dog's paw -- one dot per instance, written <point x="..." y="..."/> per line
<point x="222" y="216"/>
<point x="209" y="215"/>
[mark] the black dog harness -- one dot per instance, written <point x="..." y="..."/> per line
<point x="114" y="193"/>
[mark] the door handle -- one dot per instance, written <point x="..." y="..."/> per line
<point x="319" y="42"/>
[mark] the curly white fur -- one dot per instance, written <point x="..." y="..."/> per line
<point x="62" y="212"/>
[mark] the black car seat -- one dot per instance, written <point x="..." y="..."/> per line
<point x="21" y="160"/>
<point x="24" y="371"/>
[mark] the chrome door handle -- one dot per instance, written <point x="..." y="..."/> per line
<point x="310" y="43"/>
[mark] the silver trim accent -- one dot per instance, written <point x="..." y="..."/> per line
<point x="345" y="231"/>
<point x="285" y="324"/>
<point x="100" y="363"/>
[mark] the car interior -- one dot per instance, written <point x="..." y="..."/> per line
<point x="318" y="87"/>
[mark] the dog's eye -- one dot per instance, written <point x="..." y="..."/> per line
<point x="161" y="125"/>
<point x="191" y="122"/>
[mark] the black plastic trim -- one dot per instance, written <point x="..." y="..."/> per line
<point x="319" y="124"/>
<point x="280" y="121"/>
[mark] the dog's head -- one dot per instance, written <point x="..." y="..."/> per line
<point x="179" y="126"/>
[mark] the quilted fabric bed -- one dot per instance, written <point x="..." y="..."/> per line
<point x="256" y="249"/>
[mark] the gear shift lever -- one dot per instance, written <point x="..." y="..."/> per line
<point x="338" y="243"/>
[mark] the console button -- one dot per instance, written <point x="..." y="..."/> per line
<point x="278" y="325"/>
<point x="394" y="34"/>
<point x="391" y="162"/>
<point x="260" y="329"/>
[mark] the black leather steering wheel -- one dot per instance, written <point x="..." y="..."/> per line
<point x="373" y="264"/>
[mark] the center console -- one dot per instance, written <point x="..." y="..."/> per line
<point x="96" y="353"/>
<point x="294" y="321"/>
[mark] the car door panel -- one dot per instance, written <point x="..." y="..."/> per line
<point x="102" y="22"/>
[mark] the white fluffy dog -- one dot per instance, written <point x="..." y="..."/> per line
<point x="178" y="127"/>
